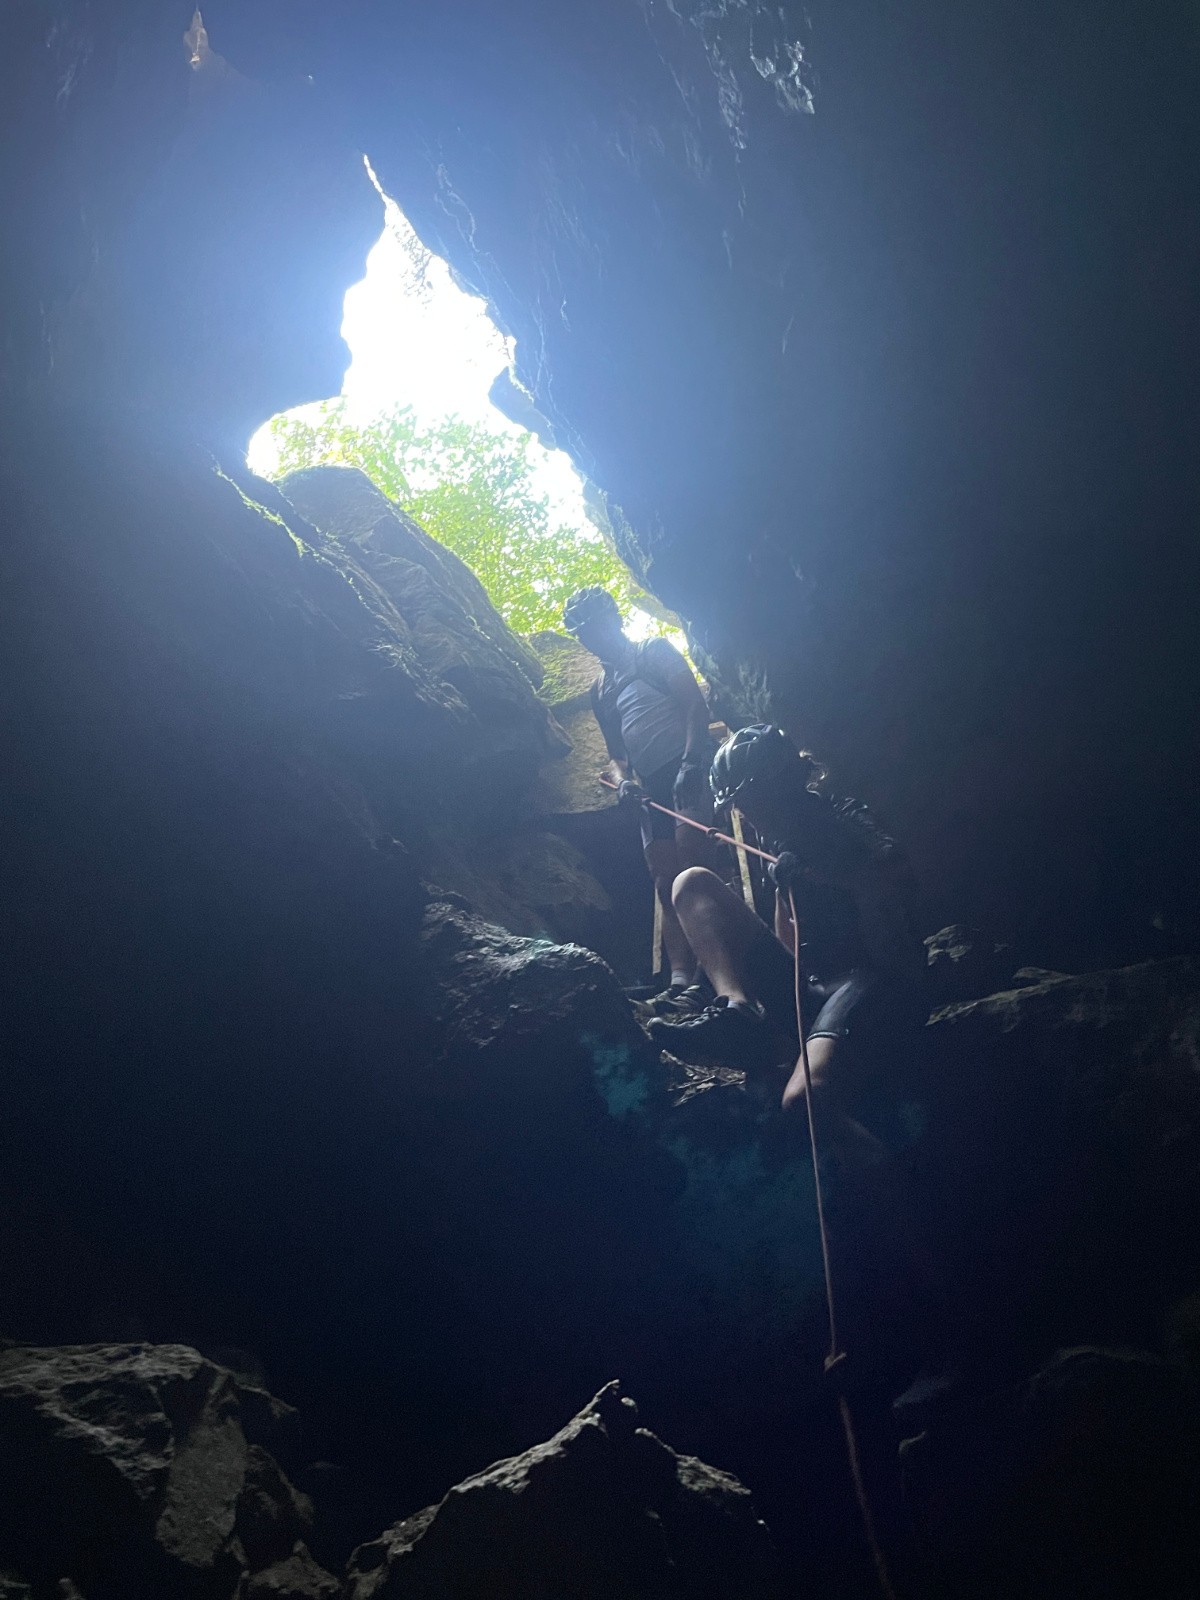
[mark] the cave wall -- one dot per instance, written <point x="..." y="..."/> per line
<point x="897" y="399"/>
<point x="881" y="329"/>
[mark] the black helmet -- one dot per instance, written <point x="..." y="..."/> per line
<point x="592" y="604"/>
<point x="760" y="751"/>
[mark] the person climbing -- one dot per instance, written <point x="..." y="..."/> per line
<point x="862" y="959"/>
<point x="861" y="967"/>
<point x="654" y="719"/>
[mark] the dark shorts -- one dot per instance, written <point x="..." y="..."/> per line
<point x="846" y="1007"/>
<point x="660" y="787"/>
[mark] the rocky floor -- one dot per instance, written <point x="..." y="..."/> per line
<point x="139" y="1471"/>
<point x="1046" y="1139"/>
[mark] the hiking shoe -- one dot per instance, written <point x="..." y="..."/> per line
<point x="682" y="999"/>
<point x="646" y="993"/>
<point x="725" y="1034"/>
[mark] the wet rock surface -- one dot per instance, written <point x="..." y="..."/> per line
<point x="603" y="1509"/>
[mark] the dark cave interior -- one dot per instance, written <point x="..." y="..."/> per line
<point x="880" y="329"/>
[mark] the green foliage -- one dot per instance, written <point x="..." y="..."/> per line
<point x="471" y="488"/>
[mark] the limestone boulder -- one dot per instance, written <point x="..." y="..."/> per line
<point x="572" y="784"/>
<point x="602" y="1511"/>
<point x="493" y="990"/>
<point x="484" y="672"/>
<point x="597" y="1192"/>
<point x="1059" y="1152"/>
<point x="138" y="1470"/>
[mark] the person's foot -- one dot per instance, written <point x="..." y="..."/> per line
<point x="682" y="999"/>
<point x="727" y="1033"/>
<point x="648" y="993"/>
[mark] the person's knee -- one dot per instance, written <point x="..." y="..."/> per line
<point x="693" y="884"/>
<point x="821" y="1051"/>
<point x="792" y="1094"/>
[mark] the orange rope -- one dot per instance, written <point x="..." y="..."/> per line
<point x="836" y="1354"/>
<point x="836" y="1359"/>
<point x="713" y="833"/>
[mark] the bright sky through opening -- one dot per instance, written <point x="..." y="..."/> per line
<point x="416" y="339"/>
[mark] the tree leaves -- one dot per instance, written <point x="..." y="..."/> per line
<point x="473" y="489"/>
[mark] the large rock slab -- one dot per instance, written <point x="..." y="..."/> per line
<point x="481" y="668"/>
<point x="1061" y="1156"/>
<point x="572" y="784"/>
<point x="500" y="757"/>
<point x="345" y="505"/>
<point x="602" y="1511"/>
<point x="626" y="1192"/>
<point x="142" y="1470"/>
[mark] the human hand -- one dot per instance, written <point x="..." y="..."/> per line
<point x="630" y="792"/>
<point x="785" y="873"/>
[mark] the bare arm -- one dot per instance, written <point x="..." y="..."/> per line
<point x="619" y="767"/>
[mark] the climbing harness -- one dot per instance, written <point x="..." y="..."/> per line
<point x="836" y="1360"/>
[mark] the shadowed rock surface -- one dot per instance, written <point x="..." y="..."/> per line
<point x="1067" y="1139"/>
<point x="477" y="799"/>
<point x="1079" y="1484"/>
<point x="898" y="401"/>
<point x="139" y="1470"/>
<point x="602" y="1511"/>
<point x="454" y="630"/>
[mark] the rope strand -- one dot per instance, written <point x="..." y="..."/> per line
<point x="836" y="1354"/>
<point x="836" y="1359"/>
<point x="713" y="833"/>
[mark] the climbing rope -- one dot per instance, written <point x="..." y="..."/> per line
<point x="835" y="1361"/>
<point x="711" y="833"/>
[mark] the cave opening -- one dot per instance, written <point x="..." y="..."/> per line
<point x="418" y="413"/>
<point x="424" y="413"/>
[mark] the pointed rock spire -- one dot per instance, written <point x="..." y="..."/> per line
<point x="196" y="40"/>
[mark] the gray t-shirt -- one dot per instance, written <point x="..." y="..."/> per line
<point x="635" y="708"/>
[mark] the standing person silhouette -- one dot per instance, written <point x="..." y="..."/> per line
<point x="654" y="719"/>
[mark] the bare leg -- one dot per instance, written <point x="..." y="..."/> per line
<point x="721" y="929"/>
<point x="692" y="848"/>
<point x="663" y="861"/>
<point x="821" y="1052"/>
<point x="859" y="1150"/>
